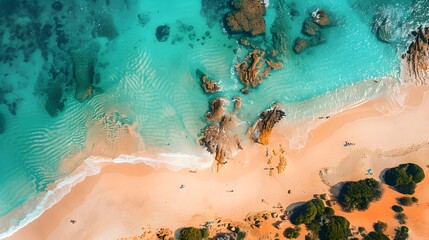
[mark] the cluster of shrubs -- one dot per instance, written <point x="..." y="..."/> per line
<point x="358" y="195"/>
<point x="320" y="220"/>
<point x="404" y="178"/>
<point x="191" y="233"/>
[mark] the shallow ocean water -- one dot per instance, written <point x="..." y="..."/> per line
<point x="153" y="86"/>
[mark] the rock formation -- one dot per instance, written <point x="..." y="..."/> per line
<point x="247" y="17"/>
<point x="249" y="71"/>
<point x="321" y="17"/>
<point x="209" y="86"/>
<point x="417" y="57"/>
<point x="162" y="33"/>
<point x="261" y="131"/>
<point x="300" y="45"/>
<point x="217" y="109"/>
<point x="219" y="137"/>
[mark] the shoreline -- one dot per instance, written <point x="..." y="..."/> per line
<point x="128" y="145"/>
<point x="320" y="135"/>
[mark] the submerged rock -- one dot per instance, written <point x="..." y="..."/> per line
<point x="143" y="18"/>
<point x="278" y="30"/>
<point x="310" y="28"/>
<point x="2" y="123"/>
<point x="162" y="33"/>
<point x="84" y="61"/>
<point x="57" y="6"/>
<point x="261" y="131"/>
<point x="300" y="45"/>
<point x="55" y="102"/>
<point x="247" y="17"/>
<point x="417" y="57"/>
<point x="105" y="27"/>
<point x="383" y="24"/>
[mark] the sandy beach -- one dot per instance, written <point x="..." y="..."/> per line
<point x="133" y="200"/>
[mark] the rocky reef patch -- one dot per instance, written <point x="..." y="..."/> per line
<point x="313" y="28"/>
<point x="247" y="17"/>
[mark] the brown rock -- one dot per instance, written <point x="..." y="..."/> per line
<point x="209" y="86"/>
<point x="417" y="57"/>
<point x="217" y="109"/>
<point x="300" y="45"/>
<point x="321" y="17"/>
<point x="261" y="131"/>
<point x="247" y="17"/>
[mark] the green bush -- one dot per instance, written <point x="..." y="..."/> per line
<point x="291" y="233"/>
<point x="358" y="195"/>
<point x="380" y="227"/>
<point x="406" y="201"/>
<point x="402" y="218"/>
<point x="307" y="212"/>
<point x="336" y="227"/>
<point x="375" y="236"/>
<point x="397" y="208"/>
<point x="401" y="233"/>
<point x="404" y="177"/>
<point x="191" y="233"/>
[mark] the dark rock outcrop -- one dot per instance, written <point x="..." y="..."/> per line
<point x="261" y="131"/>
<point x="162" y="33"/>
<point x="247" y="17"/>
<point x="417" y="57"/>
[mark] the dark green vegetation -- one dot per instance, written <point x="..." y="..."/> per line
<point x="291" y="233"/>
<point x="358" y="195"/>
<point x="191" y="233"/>
<point x="404" y="178"/>
<point x="401" y="233"/>
<point x="407" y="201"/>
<point x="375" y="236"/>
<point x="380" y="227"/>
<point x="320" y="220"/>
<point x="397" y="208"/>
<point x="401" y="217"/>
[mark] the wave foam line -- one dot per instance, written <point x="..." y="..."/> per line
<point x="92" y="166"/>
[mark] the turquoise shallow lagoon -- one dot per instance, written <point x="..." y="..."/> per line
<point x="152" y="85"/>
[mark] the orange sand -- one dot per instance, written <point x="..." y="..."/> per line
<point x="125" y="198"/>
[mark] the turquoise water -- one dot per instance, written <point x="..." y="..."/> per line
<point x="152" y="84"/>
